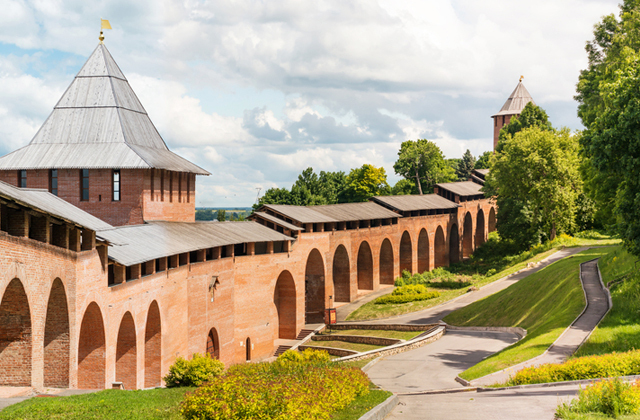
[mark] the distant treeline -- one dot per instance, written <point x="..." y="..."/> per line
<point x="222" y="213"/>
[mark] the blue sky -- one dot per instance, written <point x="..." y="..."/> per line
<point x="256" y="91"/>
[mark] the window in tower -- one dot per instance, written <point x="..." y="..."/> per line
<point x="84" y="185"/>
<point x="22" y="178"/>
<point x="116" y="185"/>
<point x="53" y="181"/>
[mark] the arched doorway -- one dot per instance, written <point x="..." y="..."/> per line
<point x="314" y="288"/>
<point x="386" y="262"/>
<point x="406" y="253"/>
<point x="284" y="297"/>
<point x="440" y="251"/>
<point x="454" y="244"/>
<point x="467" y="236"/>
<point x="213" y="344"/>
<point x="153" y="347"/>
<point x="480" y="236"/>
<point x="56" y="338"/>
<point x="248" y="346"/>
<point x="365" y="267"/>
<point x="492" y="219"/>
<point x="91" y="350"/>
<point x="341" y="275"/>
<point x="15" y="336"/>
<point x="423" y="251"/>
<point x="126" y="353"/>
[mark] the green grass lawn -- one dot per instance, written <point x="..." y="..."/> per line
<point x="343" y="345"/>
<point x="400" y="335"/>
<point x="109" y="404"/>
<point x="361" y="405"/>
<point x="544" y="303"/>
<point x="600" y="416"/>
<point x="620" y="330"/>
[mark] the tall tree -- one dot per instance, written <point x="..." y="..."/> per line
<point x="365" y="182"/>
<point x="531" y="116"/>
<point x="484" y="160"/>
<point x="465" y="166"/>
<point x="536" y="181"/>
<point x="423" y="162"/>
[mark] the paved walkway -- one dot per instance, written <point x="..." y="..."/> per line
<point x="571" y="339"/>
<point x="10" y="395"/>
<point x="521" y="404"/>
<point x="435" y="314"/>
<point x="435" y="366"/>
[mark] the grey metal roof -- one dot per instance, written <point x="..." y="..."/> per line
<point x="518" y="99"/>
<point x="483" y="172"/>
<point x="98" y="123"/>
<point x="277" y="221"/>
<point x="162" y="239"/>
<point x="46" y="202"/>
<point x="300" y="213"/>
<point x="464" y="188"/>
<point x="416" y="202"/>
<point x="355" y="211"/>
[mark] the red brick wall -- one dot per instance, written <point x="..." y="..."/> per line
<point x="406" y="253"/>
<point x="56" y="339"/>
<point x="365" y="267"/>
<point x="91" y="350"/>
<point x="153" y="348"/>
<point x="15" y="336"/>
<point x="285" y="302"/>
<point x="386" y="263"/>
<point x="423" y="251"/>
<point x="341" y="275"/>
<point x="126" y="353"/>
<point x="314" y="288"/>
<point x="175" y="204"/>
<point x="497" y="126"/>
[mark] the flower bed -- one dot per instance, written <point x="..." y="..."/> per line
<point x="589" y="367"/>
<point x="408" y="293"/>
<point x="297" y="385"/>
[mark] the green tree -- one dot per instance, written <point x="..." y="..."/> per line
<point x="365" y="182"/>
<point x="536" y="180"/>
<point x="222" y="215"/>
<point x="465" y="166"/>
<point x="404" y="187"/>
<point x="531" y="116"/>
<point x="423" y="162"/>
<point x="484" y="161"/>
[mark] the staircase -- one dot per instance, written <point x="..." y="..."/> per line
<point x="304" y="334"/>
<point x="280" y="350"/>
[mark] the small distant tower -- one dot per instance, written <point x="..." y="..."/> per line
<point x="519" y="98"/>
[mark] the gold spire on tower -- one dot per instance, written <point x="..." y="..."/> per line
<point x="104" y="24"/>
<point x="521" y="77"/>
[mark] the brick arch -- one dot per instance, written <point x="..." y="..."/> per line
<point x="126" y="353"/>
<point x="153" y="347"/>
<point x="56" y="338"/>
<point x="386" y="262"/>
<point x="341" y="275"/>
<point x="454" y="244"/>
<point x="365" y="267"/>
<point x="314" y="288"/>
<point x="91" y="349"/>
<point x="467" y="236"/>
<point x="480" y="237"/>
<point x="492" y="219"/>
<point x="423" y="251"/>
<point x="284" y="297"/>
<point x="15" y="336"/>
<point x="440" y="250"/>
<point x="406" y="253"/>
<point x="213" y="344"/>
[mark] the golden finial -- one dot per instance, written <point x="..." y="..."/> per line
<point x="104" y="24"/>
<point x="521" y="77"/>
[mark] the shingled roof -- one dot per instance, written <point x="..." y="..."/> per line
<point x="98" y="123"/>
<point x="518" y="99"/>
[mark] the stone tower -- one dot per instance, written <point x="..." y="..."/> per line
<point x="518" y="99"/>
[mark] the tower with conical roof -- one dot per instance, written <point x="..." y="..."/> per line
<point x="100" y="151"/>
<point x="518" y="99"/>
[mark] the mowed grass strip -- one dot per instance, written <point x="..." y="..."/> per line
<point x="373" y="311"/>
<point x="544" y="303"/>
<point x="104" y="405"/>
<point x="399" y="335"/>
<point x="343" y="345"/>
<point x="361" y="405"/>
<point x="619" y="331"/>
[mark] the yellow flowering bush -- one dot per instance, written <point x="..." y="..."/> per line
<point x="309" y="387"/>
<point x="588" y="367"/>
<point x="610" y="397"/>
<point x="193" y="372"/>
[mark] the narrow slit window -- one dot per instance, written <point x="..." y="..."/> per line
<point x="22" y="178"/>
<point x="116" y="185"/>
<point x="153" y="184"/>
<point x="171" y="187"/>
<point x="53" y="181"/>
<point x="84" y="185"/>
<point x="188" y="188"/>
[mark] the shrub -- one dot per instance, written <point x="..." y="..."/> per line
<point x="193" y="372"/>
<point x="411" y="289"/>
<point x="405" y="298"/>
<point x="589" y="367"/>
<point x="610" y="397"/>
<point x="280" y="390"/>
<point x="491" y="272"/>
<point x="450" y="284"/>
<point x="311" y="356"/>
